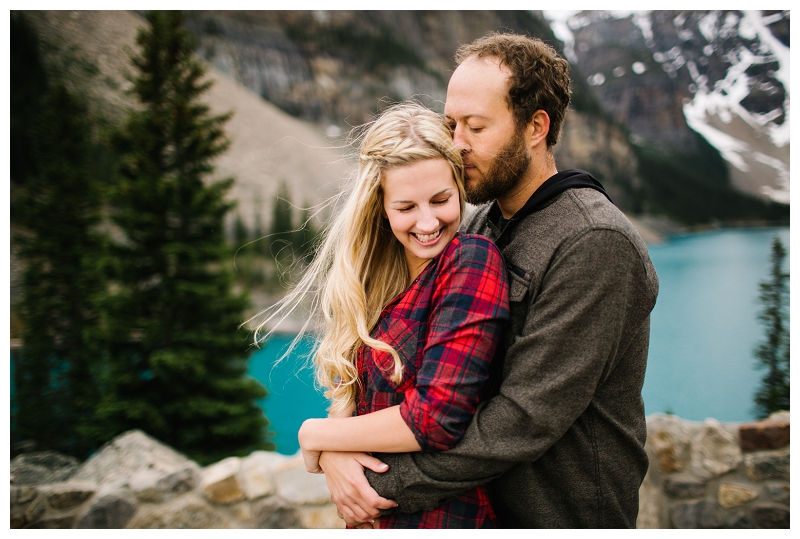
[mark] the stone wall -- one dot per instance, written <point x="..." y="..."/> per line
<point x="714" y="475"/>
<point x="134" y="481"/>
<point x="702" y="475"/>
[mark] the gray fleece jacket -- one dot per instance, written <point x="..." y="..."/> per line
<point x="562" y="443"/>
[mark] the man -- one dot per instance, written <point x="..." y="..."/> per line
<point x="561" y="444"/>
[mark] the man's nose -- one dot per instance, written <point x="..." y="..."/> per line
<point x="459" y="139"/>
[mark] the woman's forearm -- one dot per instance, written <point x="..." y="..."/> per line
<point x="382" y="431"/>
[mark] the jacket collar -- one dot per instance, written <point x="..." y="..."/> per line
<point x="550" y="189"/>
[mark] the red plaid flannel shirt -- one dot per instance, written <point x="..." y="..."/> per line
<point x="445" y="327"/>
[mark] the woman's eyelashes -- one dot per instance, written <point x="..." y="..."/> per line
<point x="436" y="202"/>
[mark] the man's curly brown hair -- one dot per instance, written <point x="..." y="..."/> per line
<point x="539" y="76"/>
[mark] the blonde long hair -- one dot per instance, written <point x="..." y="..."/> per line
<point x="359" y="265"/>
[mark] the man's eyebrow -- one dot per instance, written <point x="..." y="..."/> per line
<point x="468" y="117"/>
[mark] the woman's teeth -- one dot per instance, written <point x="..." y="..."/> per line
<point x="425" y="238"/>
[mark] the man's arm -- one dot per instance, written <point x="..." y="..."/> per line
<point x="595" y="287"/>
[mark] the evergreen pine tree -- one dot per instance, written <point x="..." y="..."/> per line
<point x="305" y="235"/>
<point x="179" y="365"/>
<point x="282" y="235"/>
<point x="240" y="233"/>
<point x="59" y="210"/>
<point x="258" y="230"/>
<point x="28" y="84"/>
<point x="773" y="354"/>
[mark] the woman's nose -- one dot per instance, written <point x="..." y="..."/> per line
<point x="427" y="222"/>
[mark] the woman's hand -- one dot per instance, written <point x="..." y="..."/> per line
<point x="356" y="501"/>
<point x="311" y="460"/>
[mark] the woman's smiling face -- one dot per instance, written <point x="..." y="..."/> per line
<point x="424" y="211"/>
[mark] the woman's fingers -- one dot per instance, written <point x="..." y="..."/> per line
<point x="368" y="461"/>
<point x="350" y="490"/>
<point x="311" y="461"/>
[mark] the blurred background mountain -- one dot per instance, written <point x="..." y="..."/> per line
<point x="683" y="115"/>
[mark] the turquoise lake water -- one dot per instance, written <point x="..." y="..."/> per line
<point x="703" y="332"/>
<point x="704" y="326"/>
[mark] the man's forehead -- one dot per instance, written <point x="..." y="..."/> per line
<point x="477" y="83"/>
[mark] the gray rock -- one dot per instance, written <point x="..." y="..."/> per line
<point x="57" y="523"/>
<point x="778" y="492"/>
<point x="66" y="495"/>
<point x="19" y="495"/>
<point x="319" y="517"/>
<point x="127" y="454"/>
<point x="36" y="510"/>
<point x="180" y="513"/>
<point x="770" y="516"/>
<point x="220" y="482"/>
<point x="682" y="486"/>
<point x="42" y="468"/>
<point x="649" y="497"/>
<point x="182" y="479"/>
<point x="143" y="485"/>
<point x="154" y="486"/>
<point x="768" y="465"/>
<point x="296" y="485"/>
<point x="783" y="415"/>
<point x="109" y="511"/>
<point x="17" y="516"/>
<point x="273" y="513"/>
<point x="738" y="520"/>
<point x="708" y="516"/>
<point x="255" y="474"/>
<point x="668" y="437"/>
<point x="693" y="515"/>
<point x="715" y="451"/>
<point x="730" y="495"/>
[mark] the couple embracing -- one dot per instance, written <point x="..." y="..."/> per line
<point x="484" y="371"/>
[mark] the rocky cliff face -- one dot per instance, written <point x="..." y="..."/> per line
<point x="338" y="68"/>
<point x="335" y="67"/>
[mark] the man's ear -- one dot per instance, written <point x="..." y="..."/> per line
<point x="538" y="128"/>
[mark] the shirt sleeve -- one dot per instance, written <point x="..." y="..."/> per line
<point x="595" y="287"/>
<point x="469" y="308"/>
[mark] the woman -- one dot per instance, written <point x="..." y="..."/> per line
<point x="412" y="308"/>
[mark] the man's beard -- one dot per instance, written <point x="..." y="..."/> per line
<point x="504" y="173"/>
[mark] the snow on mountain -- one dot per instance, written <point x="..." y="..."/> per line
<point x="732" y="74"/>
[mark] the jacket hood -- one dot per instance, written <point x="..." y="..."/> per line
<point x="550" y="189"/>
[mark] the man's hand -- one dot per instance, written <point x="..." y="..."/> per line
<point x="356" y="501"/>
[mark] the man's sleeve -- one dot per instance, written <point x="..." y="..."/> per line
<point x="594" y="288"/>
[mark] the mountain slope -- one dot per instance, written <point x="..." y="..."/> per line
<point x="268" y="146"/>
